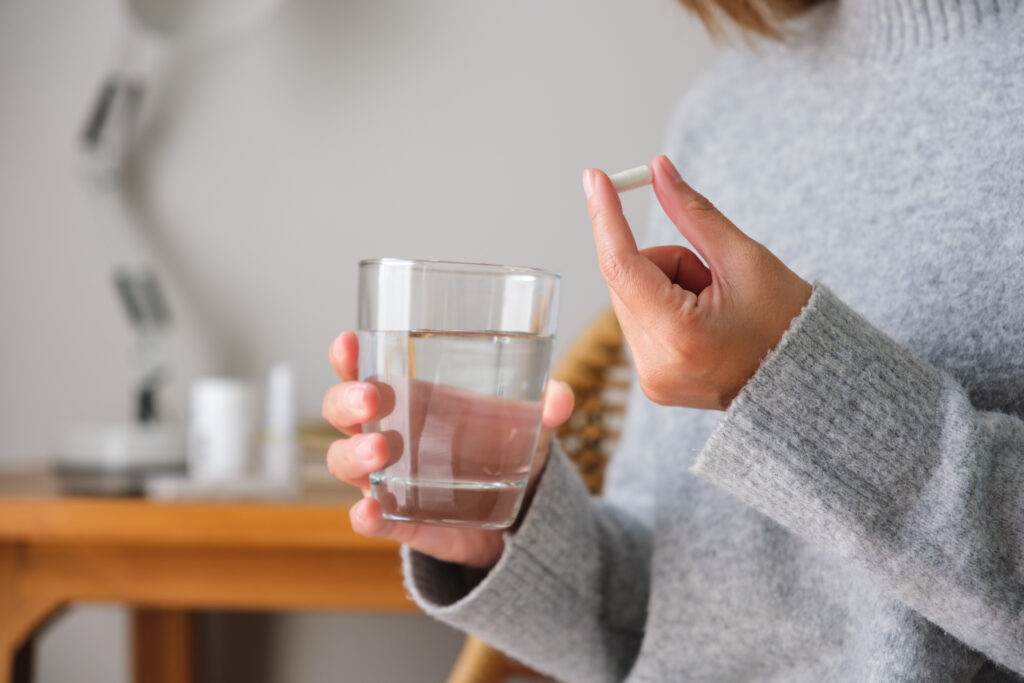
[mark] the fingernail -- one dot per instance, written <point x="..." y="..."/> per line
<point x="355" y="397"/>
<point x="588" y="182"/>
<point x="365" y="450"/>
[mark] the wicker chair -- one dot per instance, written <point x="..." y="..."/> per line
<point x="597" y="369"/>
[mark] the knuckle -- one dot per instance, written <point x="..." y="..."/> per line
<point x="334" y="457"/>
<point x="756" y="255"/>
<point x="653" y="385"/>
<point x="652" y="392"/>
<point x="688" y="314"/>
<point x="611" y="266"/>
<point x="327" y="407"/>
<point x="699" y="205"/>
<point x="356" y="520"/>
<point x="334" y="410"/>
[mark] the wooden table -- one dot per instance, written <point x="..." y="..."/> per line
<point x="166" y="559"/>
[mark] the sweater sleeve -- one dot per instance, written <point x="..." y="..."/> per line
<point x="851" y="441"/>
<point x="568" y="595"/>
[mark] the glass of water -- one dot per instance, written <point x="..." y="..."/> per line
<point x="460" y="353"/>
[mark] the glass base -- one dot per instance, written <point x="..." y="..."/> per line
<point x="466" y="504"/>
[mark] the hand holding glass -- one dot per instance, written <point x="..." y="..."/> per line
<point x="460" y="355"/>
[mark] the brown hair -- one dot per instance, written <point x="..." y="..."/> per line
<point x="756" y="16"/>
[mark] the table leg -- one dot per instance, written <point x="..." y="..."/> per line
<point x="24" y="660"/>
<point x="164" y="646"/>
<point x="22" y="612"/>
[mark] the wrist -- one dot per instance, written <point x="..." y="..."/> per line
<point x="537" y="472"/>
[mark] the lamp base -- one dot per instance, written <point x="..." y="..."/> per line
<point x="115" y="459"/>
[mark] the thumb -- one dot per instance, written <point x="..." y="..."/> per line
<point x="711" y="233"/>
<point x="558" y="403"/>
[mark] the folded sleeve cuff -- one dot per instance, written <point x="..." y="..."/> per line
<point x="541" y="575"/>
<point x="826" y="437"/>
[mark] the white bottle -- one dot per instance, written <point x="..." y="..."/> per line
<point x="280" y="451"/>
<point x="222" y="432"/>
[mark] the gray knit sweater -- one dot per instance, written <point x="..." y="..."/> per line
<point x="858" y="512"/>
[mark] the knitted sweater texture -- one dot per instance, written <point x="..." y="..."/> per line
<point x="858" y="512"/>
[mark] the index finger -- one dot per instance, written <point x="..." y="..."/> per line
<point x="612" y="234"/>
<point x="344" y="355"/>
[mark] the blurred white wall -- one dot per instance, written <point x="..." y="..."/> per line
<point x="333" y="131"/>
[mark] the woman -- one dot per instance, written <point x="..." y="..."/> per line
<point x="857" y="511"/>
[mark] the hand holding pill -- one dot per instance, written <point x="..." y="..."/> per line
<point x="698" y="330"/>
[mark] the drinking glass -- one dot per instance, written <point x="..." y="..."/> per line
<point x="460" y="353"/>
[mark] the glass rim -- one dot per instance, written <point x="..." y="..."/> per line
<point x="459" y="267"/>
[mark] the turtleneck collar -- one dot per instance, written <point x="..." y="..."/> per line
<point x="890" y="28"/>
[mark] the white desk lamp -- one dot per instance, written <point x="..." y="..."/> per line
<point x="115" y="457"/>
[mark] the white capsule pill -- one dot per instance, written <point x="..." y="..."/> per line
<point x="632" y="179"/>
